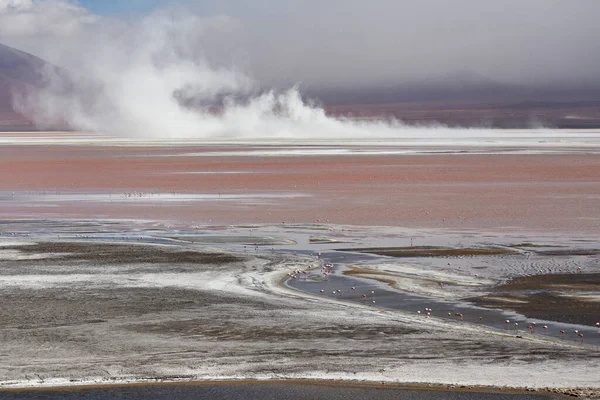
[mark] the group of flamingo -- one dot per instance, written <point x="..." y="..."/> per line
<point x="531" y="326"/>
<point x="364" y="296"/>
<point x="328" y="268"/>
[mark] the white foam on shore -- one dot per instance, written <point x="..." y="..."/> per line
<point x="414" y="140"/>
<point x="146" y="197"/>
<point x="14" y="255"/>
<point x="426" y="282"/>
<point x="555" y="375"/>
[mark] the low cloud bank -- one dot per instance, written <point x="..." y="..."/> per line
<point x="184" y="71"/>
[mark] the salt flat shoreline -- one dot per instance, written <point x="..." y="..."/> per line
<point x="192" y="321"/>
<point x="209" y="231"/>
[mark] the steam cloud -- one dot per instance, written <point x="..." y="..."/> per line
<point x="151" y="78"/>
<point x="177" y="73"/>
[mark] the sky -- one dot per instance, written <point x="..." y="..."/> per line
<point x="337" y="43"/>
<point x="122" y="7"/>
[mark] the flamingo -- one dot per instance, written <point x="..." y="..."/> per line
<point x="562" y="332"/>
<point x="507" y="322"/>
<point x="580" y="336"/>
<point x="353" y="290"/>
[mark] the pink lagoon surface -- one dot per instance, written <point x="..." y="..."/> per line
<point x="236" y="183"/>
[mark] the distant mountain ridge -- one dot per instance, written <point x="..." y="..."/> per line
<point x="19" y="66"/>
<point x="19" y="71"/>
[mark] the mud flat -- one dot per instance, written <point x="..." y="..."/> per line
<point x="545" y="282"/>
<point x="128" y="261"/>
<point x="573" y="298"/>
<point x="119" y="302"/>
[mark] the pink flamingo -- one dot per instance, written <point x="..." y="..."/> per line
<point x="562" y="332"/>
<point x="507" y="322"/>
<point x="580" y="336"/>
<point x="353" y="290"/>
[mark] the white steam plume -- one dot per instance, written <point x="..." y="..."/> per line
<point x="153" y="77"/>
<point x="134" y="78"/>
